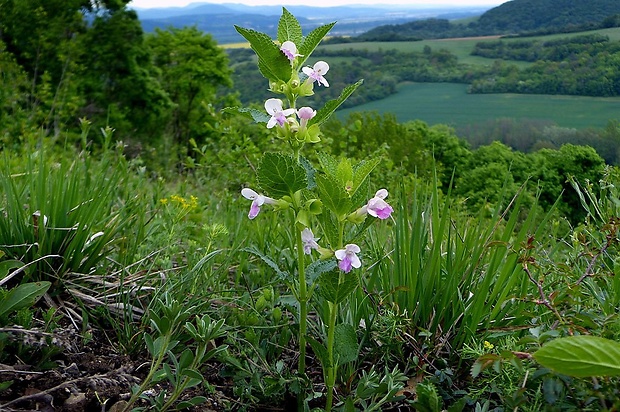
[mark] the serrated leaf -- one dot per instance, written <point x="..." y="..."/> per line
<point x="318" y="267"/>
<point x="312" y="40"/>
<point x="362" y="170"/>
<point x="272" y="63"/>
<point x="333" y="291"/>
<point x="23" y="296"/>
<point x="310" y="172"/>
<point x="581" y="356"/>
<point x="289" y="28"/>
<point x="344" y="172"/>
<point x="329" y="228"/>
<point x="333" y="195"/>
<point x="360" y="194"/>
<point x="281" y="175"/>
<point x="254" y="114"/>
<point x="273" y="265"/>
<point x="345" y="347"/>
<point x="330" y="107"/>
<point x="328" y="163"/>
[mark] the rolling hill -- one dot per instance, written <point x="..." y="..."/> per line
<point x="512" y="17"/>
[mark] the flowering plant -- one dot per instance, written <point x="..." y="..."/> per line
<point x="330" y="202"/>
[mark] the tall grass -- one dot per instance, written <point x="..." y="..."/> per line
<point x="455" y="275"/>
<point x="70" y="221"/>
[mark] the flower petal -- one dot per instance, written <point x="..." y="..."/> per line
<point x="352" y="248"/>
<point x="382" y="193"/>
<point x="340" y="254"/>
<point x="254" y="210"/>
<point x="345" y="265"/>
<point x="249" y="193"/>
<point x="273" y="106"/>
<point x="321" y="67"/>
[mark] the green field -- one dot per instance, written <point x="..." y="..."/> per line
<point x="461" y="48"/>
<point x="450" y="104"/>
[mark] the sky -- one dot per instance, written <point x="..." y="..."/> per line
<point x="316" y="3"/>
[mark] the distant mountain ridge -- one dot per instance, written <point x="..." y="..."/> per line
<point x="512" y="17"/>
<point x="219" y="19"/>
<point x="532" y="15"/>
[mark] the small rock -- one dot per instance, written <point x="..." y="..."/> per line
<point x="118" y="406"/>
<point x="75" y="402"/>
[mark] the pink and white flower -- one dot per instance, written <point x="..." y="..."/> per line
<point x="290" y="50"/>
<point x="278" y="115"/>
<point x="378" y="207"/>
<point x="309" y="241"/>
<point x="348" y="257"/>
<point x="317" y="71"/>
<point x="257" y="201"/>
<point x="305" y="114"/>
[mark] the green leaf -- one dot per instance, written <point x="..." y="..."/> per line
<point x="289" y="29"/>
<point x="328" y="163"/>
<point x="158" y="345"/>
<point x="310" y="171"/>
<point x="344" y="172"/>
<point x="192" y="373"/>
<point x="361" y="171"/>
<point x="427" y="397"/>
<point x="7" y="265"/>
<point x="5" y="385"/>
<point x="272" y="63"/>
<point x="280" y="175"/>
<point x="345" y="347"/>
<point x="333" y="195"/>
<point x="330" y="107"/>
<point x="187" y="356"/>
<point x="312" y="40"/>
<point x="318" y="267"/>
<point x="333" y="291"/>
<point x="273" y="265"/>
<point x="148" y="340"/>
<point x="329" y="228"/>
<point x="581" y="356"/>
<point x="254" y="114"/>
<point x="196" y="400"/>
<point x="23" y="296"/>
<point x="319" y="350"/>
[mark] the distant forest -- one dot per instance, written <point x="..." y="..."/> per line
<point x="516" y="17"/>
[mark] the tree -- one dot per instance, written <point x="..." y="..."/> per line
<point x="191" y="69"/>
<point x="117" y="79"/>
<point x="553" y="167"/>
<point x="84" y="58"/>
<point x="450" y="152"/>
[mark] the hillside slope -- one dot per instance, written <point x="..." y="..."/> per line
<point x="512" y="17"/>
<point x="518" y="16"/>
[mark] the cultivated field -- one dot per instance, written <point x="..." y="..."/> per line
<point x="451" y="104"/>
<point x="460" y="47"/>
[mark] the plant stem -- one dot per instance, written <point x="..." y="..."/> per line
<point x="303" y="301"/>
<point x="155" y="364"/>
<point x="330" y="379"/>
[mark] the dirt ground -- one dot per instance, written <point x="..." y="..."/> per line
<point x="90" y="378"/>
